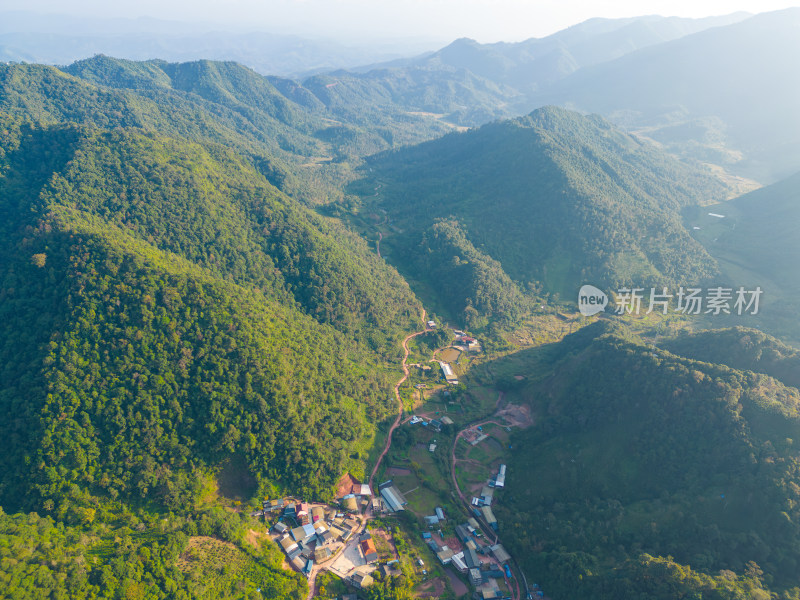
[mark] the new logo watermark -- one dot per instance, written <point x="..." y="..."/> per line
<point x="591" y="300"/>
<point x="687" y="301"/>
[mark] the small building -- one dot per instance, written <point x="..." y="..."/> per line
<point x="289" y="546"/>
<point x="462" y="533"/>
<point x="475" y="577"/>
<point x="445" y="555"/>
<point x="458" y="562"/>
<point x="488" y="515"/>
<point x="392" y="497"/>
<point x="273" y="505"/>
<point x="369" y="551"/>
<point x="500" y="482"/>
<point x="299" y="563"/>
<point x="432" y="521"/>
<point x="471" y="558"/>
<point x="440" y="513"/>
<point x="487" y="495"/>
<point x="281" y="527"/>
<point x="304" y="532"/>
<point x="473" y="523"/>
<point x="391" y="570"/>
<point x="302" y="513"/>
<point x="431" y="324"/>
<point x="449" y="376"/>
<point x="432" y="448"/>
<point x="362" y="489"/>
<point x="361" y="580"/>
<point x="350" y="503"/>
<point x="446" y="421"/>
<point x="500" y="553"/>
<point x="317" y="514"/>
<point x="426" y="536"/>
<point x="436" y="424"/>
<point x="321" y="554"/>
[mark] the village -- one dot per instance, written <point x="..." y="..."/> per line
<point x="350" y="539"/>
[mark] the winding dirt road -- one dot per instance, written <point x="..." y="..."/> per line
<point x="399" y="400"/>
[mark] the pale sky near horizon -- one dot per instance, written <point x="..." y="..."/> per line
<point x="484" y="20"/>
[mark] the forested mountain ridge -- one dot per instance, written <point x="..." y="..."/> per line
<point x="553" y="197"/>
<point x="303" y="149"/>
<point x="639" y="453"/>
<point x="154" y="294"/>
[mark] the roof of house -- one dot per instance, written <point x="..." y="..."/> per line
<point x="471" y="558"/>
<point x="393" y="498"/>
<point x="500" y="553"/>
<point x="287" y="543"/>
<point x="488" y="514"/>
<point x="462" y="532"/>
<point x="445" y="555"/>
<point x="362" y="579"/>
<point x="458" y="561"/>
<point x="368" y="548"/>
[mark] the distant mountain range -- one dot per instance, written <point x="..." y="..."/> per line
<point x="62" y="39"/>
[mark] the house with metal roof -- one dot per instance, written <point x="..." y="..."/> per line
<point x="432" y="520"/>
<point x="392" y="497"/>
<point x="445" y="555"/>
<point x="501" y="477"/>
<point x="488" y="515"/>
<point x="458" y="562"/>
<point x="471" y="558"/>
<point x="462" y="533"/>
<point x="500" y="553"/>
<point x="304" y="532"/>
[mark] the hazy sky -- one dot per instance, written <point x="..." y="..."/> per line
<point x="484" y="20"/>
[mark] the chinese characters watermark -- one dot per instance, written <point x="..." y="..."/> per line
<point x="687" y="301"/>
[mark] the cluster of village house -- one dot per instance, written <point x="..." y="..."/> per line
<point x="313" y="534"/>
<point x="483" y="503"/>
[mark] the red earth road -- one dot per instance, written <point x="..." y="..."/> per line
<point x="399" y="401"/>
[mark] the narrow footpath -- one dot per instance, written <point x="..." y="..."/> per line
<point x="399" y="402"/>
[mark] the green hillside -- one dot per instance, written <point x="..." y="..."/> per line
<point x="741" y="348"/>
<point x="638" y="453"/>
<point x="164" y="310"/>
<point x="306" y="150"/>
<point x="553" y="197"/>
